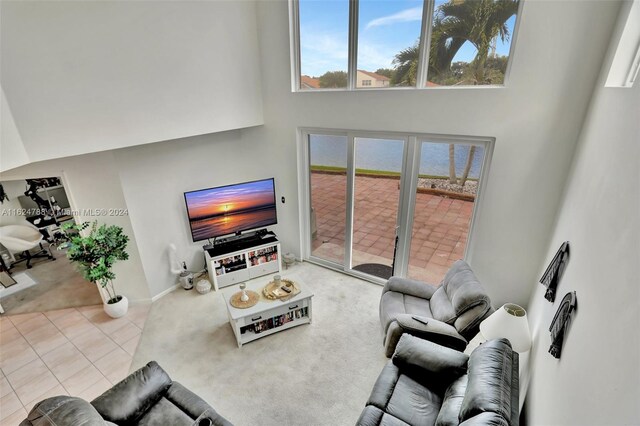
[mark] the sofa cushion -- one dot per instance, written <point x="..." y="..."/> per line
<point x="428" y="358"/>
<point x="392" y="304"/>
<point x="373" y="416"/>
<point x="135" y="395"/>
<point x="450" y="409"/>
<point x="404" y="397"/>
<point x="383" y="388"/>
<point x="459" y="292"/>
<point x="413" y="403"/>
<point x="491" y="375"/>
<point x="63" y="410"/>
<point x="441" y="307"/>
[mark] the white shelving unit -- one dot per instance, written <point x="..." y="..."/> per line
<point x="232" y="263"/>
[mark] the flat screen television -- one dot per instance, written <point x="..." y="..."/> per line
<point x="231" y="209"/>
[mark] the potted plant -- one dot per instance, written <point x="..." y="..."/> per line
<point x="96" y="252"/>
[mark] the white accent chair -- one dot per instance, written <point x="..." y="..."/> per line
<point x="20" y="239"/>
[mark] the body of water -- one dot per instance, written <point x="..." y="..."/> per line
<point x="383" y="154"/>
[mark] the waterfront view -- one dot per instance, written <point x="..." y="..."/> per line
<point x="442" y="217"/>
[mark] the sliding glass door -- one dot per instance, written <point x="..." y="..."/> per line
<point x="328" y="196"/>
<point x="446" y="186"/>
<point x="383" y="204"/>
<point x="376" y="199"/>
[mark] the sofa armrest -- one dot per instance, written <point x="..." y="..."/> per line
<point x="431" y="329"/>
<point x="193" y="405"/>
<point x="430" y="357"/>
<point x="410" y="287"/>
<point x="493" y="384"/>
<point x="133" y="396"/>
<point x="58" y="410"/>
<point x="211" y="418"/>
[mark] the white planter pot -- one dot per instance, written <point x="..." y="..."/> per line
<point x="118" y="309"/>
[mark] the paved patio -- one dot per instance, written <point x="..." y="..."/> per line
<point x="439" y="234"/>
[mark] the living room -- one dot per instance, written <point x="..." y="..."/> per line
<point x="133" y="104"/>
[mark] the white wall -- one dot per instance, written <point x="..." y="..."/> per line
<point x="154" y="178"/>
<point x="11" y="211"/>
<point x="92" y="182"/>
<point x="597" y="379"/>
<point x="83" y="77"/>
<point x="535" y="120"/>
<point x="12" y="152"/>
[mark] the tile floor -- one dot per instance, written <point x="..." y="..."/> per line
<point x="75" y="351"/>
<point x="439" y="234"/>
<point x="60" y="286"/>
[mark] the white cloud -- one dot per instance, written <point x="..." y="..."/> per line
<point x="407" y="15"/>
<point x="374" y="56"/>
<point x="323" y="52"/>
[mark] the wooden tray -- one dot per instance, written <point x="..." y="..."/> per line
<point x="272" y="291"/>
<point x="237" y="303"/>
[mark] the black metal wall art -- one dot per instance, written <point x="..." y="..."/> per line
<point x="552" y="275"/>
<point x="560" y="323"/>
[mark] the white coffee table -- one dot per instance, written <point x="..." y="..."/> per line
<point x="268" y="316"/>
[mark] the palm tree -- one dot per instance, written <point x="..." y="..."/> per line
<point x="406" y="67"/>
<point x="476" y="21"/>
<point x="455" y="23"/>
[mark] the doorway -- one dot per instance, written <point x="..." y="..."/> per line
<point x="38" y="277"/>
<point x="390" y="204"/>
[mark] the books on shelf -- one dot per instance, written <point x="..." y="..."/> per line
<point x="230" y="264"/>
<point x="257" y="257"/>
<point x="273" y="322"/>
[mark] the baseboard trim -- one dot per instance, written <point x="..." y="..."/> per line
<point x="164" y="293"/>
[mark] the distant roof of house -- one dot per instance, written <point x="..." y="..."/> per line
<point x="374" y="75"/>
<point x="311" y="82"/>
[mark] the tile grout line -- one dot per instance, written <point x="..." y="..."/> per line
<point x="24" y="407"/>
<point x="39" y="357"/>
<point x="78" y="349"/>
<point x="105" y="335"/>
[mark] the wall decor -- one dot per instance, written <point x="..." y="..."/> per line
<point x="560" y="323"/>
<point x="553" y="273"/>
<point x="3" y="195"/>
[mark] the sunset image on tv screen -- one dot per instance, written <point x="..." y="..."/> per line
<point x="219" y="211"/>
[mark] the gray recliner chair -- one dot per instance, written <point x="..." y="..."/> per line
<point x="428" y="384"/>
<point x="147" y="396"/>
<point x="449" y="314"/>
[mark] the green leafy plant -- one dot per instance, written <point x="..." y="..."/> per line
<point x="96" y="252"/>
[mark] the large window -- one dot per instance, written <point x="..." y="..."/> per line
<point x="375" y="44"/>
<point x="324" y="41"/>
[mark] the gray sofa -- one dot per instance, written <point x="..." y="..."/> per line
<point x="428" y="384"/>
<point x="146" y="397"/>
<point x="449" y="314"/>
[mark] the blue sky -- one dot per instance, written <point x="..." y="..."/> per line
<point x="385" y="27"/>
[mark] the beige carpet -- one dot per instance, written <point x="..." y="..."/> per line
<point x="59" y="286"/>
<point x="317" y="374"/>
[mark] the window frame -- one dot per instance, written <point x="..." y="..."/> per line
<point x="428" y="10"/>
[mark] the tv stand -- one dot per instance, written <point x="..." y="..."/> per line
<point x="236" y="259"/>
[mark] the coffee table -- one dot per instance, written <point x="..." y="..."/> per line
<point x="268" y="316"/>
